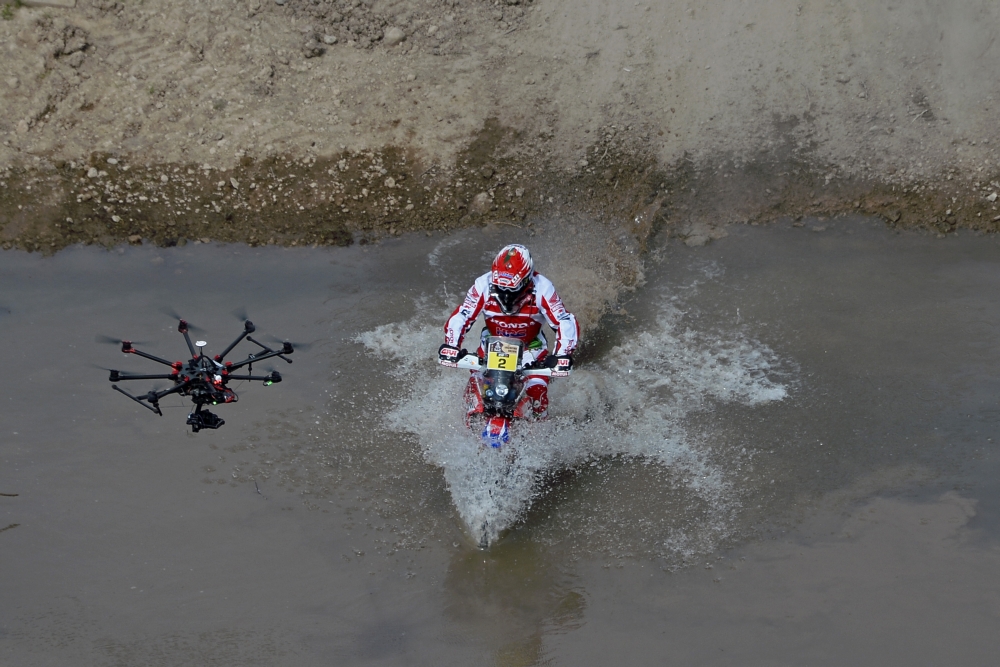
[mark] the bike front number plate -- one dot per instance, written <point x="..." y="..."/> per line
<point x="502" y="356"/>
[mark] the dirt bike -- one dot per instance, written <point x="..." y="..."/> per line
<point x="499" y="381"/>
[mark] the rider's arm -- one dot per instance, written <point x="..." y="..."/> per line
<point x="465" y="315"/>
<point x="561" y="320"/>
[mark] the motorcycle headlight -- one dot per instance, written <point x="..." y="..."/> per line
<point x="501" y="390"/>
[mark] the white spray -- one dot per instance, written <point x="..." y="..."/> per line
<point x="633" y="402"/>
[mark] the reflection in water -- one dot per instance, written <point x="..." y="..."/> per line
<point x="512" y="595"/>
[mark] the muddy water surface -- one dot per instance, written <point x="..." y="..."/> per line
<point x="778" y="440"/>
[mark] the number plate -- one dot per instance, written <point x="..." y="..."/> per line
<point x="502" y="356"/>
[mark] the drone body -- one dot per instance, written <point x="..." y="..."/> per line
<point x="202" y="378"/>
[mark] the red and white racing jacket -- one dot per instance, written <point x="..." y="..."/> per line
<point x="540" y="305"/>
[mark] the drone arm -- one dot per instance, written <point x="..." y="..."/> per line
<point x="173" y="390"/>
<point x="138" y="400"/>
<point x="187" y="339"/>
<point x="254" y="359"/>
<point x="286" y="349"/>
<point x="270" y="378"/>
<point x="128" y="349"/>
<point x="248" y="328"/>
<point x="115" y="376"/>
<point x="229" y="349"/>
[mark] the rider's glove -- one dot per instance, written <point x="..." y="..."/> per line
<point x="448" y="355"/>
<point x="559" y="362"/>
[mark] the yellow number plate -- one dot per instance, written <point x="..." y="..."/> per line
<point x="502" y="359"/>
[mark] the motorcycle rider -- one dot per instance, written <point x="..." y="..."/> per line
<point x="515" y="301"/>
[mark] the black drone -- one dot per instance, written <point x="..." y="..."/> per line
<point x="203" y="378"/>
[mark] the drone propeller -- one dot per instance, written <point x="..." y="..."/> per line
<point x="240" y="313"/>
<point x="281" y="341"/>
<point x="108" y="340"/>
<point x="171" y="313"/>
<point x="113" y="374"/>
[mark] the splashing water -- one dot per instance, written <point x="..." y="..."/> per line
<point x="632" y="403"/>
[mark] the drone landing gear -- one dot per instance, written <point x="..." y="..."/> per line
<point x="200" y="419"/>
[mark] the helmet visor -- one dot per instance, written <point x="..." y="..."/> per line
<point x="509" y="299"/>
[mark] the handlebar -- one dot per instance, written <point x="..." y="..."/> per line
<point x="470" y="362"/>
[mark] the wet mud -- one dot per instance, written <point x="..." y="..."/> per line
<point x="503" y="178"/>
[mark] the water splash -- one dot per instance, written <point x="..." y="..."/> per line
<point x="634" y="402"/>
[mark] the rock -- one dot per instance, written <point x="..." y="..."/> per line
<point x="843" y="78"/>
<point x="411" y="77"/>
<point x="330" y="39"/>
<point x="22" y="127"/>
<point x="76" y="59"/>
<point x="92" y="172"/>
<point x="390" y="182"/>
<point x="234" y="183"/>
<point x="486" y="172"/>
<point x="519" y="192"/>
<point x="279" y="2"/>
<point x="480" y="203"/>
<point x="164" y="178"/>
<point x="583" y="163"/>
<point x="992" y="197"/>
<point x="313" y="49"/>
<point x="75" y="42"/>
<point x="13" y="81"/>
<point x="112" y="160"/>
<point x="135" y="239"/>
<point x="696" y="240"/>
<point x="393" y="36"/>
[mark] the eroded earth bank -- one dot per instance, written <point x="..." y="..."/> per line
<point x="327" y="122"/>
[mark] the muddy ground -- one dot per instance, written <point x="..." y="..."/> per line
<point x="331" y="122"/>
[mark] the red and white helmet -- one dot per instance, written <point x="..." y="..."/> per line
<point x="510" y="276"/>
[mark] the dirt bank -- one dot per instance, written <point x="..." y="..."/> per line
<point x="325" y="122"/>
